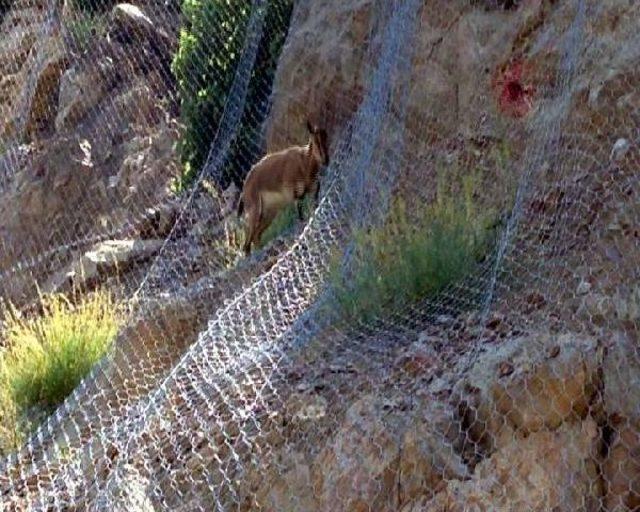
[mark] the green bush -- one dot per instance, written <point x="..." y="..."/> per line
<point x="209" y="51"/>
<point x="285" y="221"/>
<point x="47" y="356"/>
<point x="411" y="257"/>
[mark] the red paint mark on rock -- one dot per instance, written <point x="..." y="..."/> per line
<point x="515" y="96"/>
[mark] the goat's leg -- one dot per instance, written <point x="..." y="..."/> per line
<point x="258" y="234"/>
<point x="315" y="191"/>
<point x="265" y="222"/>
<point x="248" y="237"/>
<point x="299" y="191"/>
<point x="253" y="221"/>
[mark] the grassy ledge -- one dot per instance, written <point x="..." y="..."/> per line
<point x="414" y="254"/>
<point x="45" y="357"/>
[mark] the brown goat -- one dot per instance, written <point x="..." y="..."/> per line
<point x="280" y="179"/>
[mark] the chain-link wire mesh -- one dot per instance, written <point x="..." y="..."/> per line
<point x="454" y="326"/>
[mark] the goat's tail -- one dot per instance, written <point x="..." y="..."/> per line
<point x="240" y="206"/>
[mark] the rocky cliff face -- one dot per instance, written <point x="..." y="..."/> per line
<point x="485" y="75"/>
<point x="545" y="415"/>
<point x="87" y="133"/>
<point x="522" y="439"/>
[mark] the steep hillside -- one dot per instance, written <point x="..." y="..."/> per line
<point x="242" y="384"/>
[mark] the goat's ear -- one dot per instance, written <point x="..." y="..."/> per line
<point x="310" y="127"/>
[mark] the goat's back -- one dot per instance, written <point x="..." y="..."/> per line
<point x="277" y="170"/>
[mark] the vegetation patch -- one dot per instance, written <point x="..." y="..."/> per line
<point x="93" y="6"/>
<point x="285" y="221"/>
<point x="85" y="28"/>
<point x="414" y="254"/>
<point x="210" y="48"/>
<point x="45" y="357"/>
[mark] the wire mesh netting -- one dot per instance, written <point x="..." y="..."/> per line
<point x="454" y="324"/>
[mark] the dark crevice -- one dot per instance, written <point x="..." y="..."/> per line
<point x="470" y="434"/>
<point x="606" y="431"/>
<point x="505" y="5"/>
<point x="5" y="7"/>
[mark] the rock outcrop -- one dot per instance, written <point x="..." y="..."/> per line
<point x="545" y="471"/>
<point x="621" y="397"/>
<point x="88" y="139"/>
<point x="524" y="430"/>
<point x="105" y="258"/>
<point x="545" y="422"/>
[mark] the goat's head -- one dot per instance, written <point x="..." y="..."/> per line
<point x="318" y="142"/>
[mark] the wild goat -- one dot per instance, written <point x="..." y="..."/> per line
<point x="280" y="179"/>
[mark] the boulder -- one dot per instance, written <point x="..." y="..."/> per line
<point x="32" y="59"/>
<point x="357" y="468"/>
<point x="531" y="383"/>
<point x="103" y="259"/>
<point x="150" y="161"/>
<point x="322" y="69"/>
<point x="621" y="467"/>
<point x="131" y="19"/>
<point x="35" y="108"/>
<point x="132" y="25"/>
<point x="81" y="89"/>
<point x="621" y="376"/>
<point x="542" y="472"/>
<point x="427" y="457"/>
<point x="377" y="460"/>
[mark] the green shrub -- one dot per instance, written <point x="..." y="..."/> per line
<point x="11" y="434"/>
<point x="209" y="51"/>
<point x="285" y="221"/>
<point x="411" y="257"/>
<point x="47" y="356"/>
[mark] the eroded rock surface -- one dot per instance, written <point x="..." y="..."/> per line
<point x="546" y="418"/>
<point x="88" y="146"/>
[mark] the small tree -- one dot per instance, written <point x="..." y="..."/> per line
<point x="210" y="47"/>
